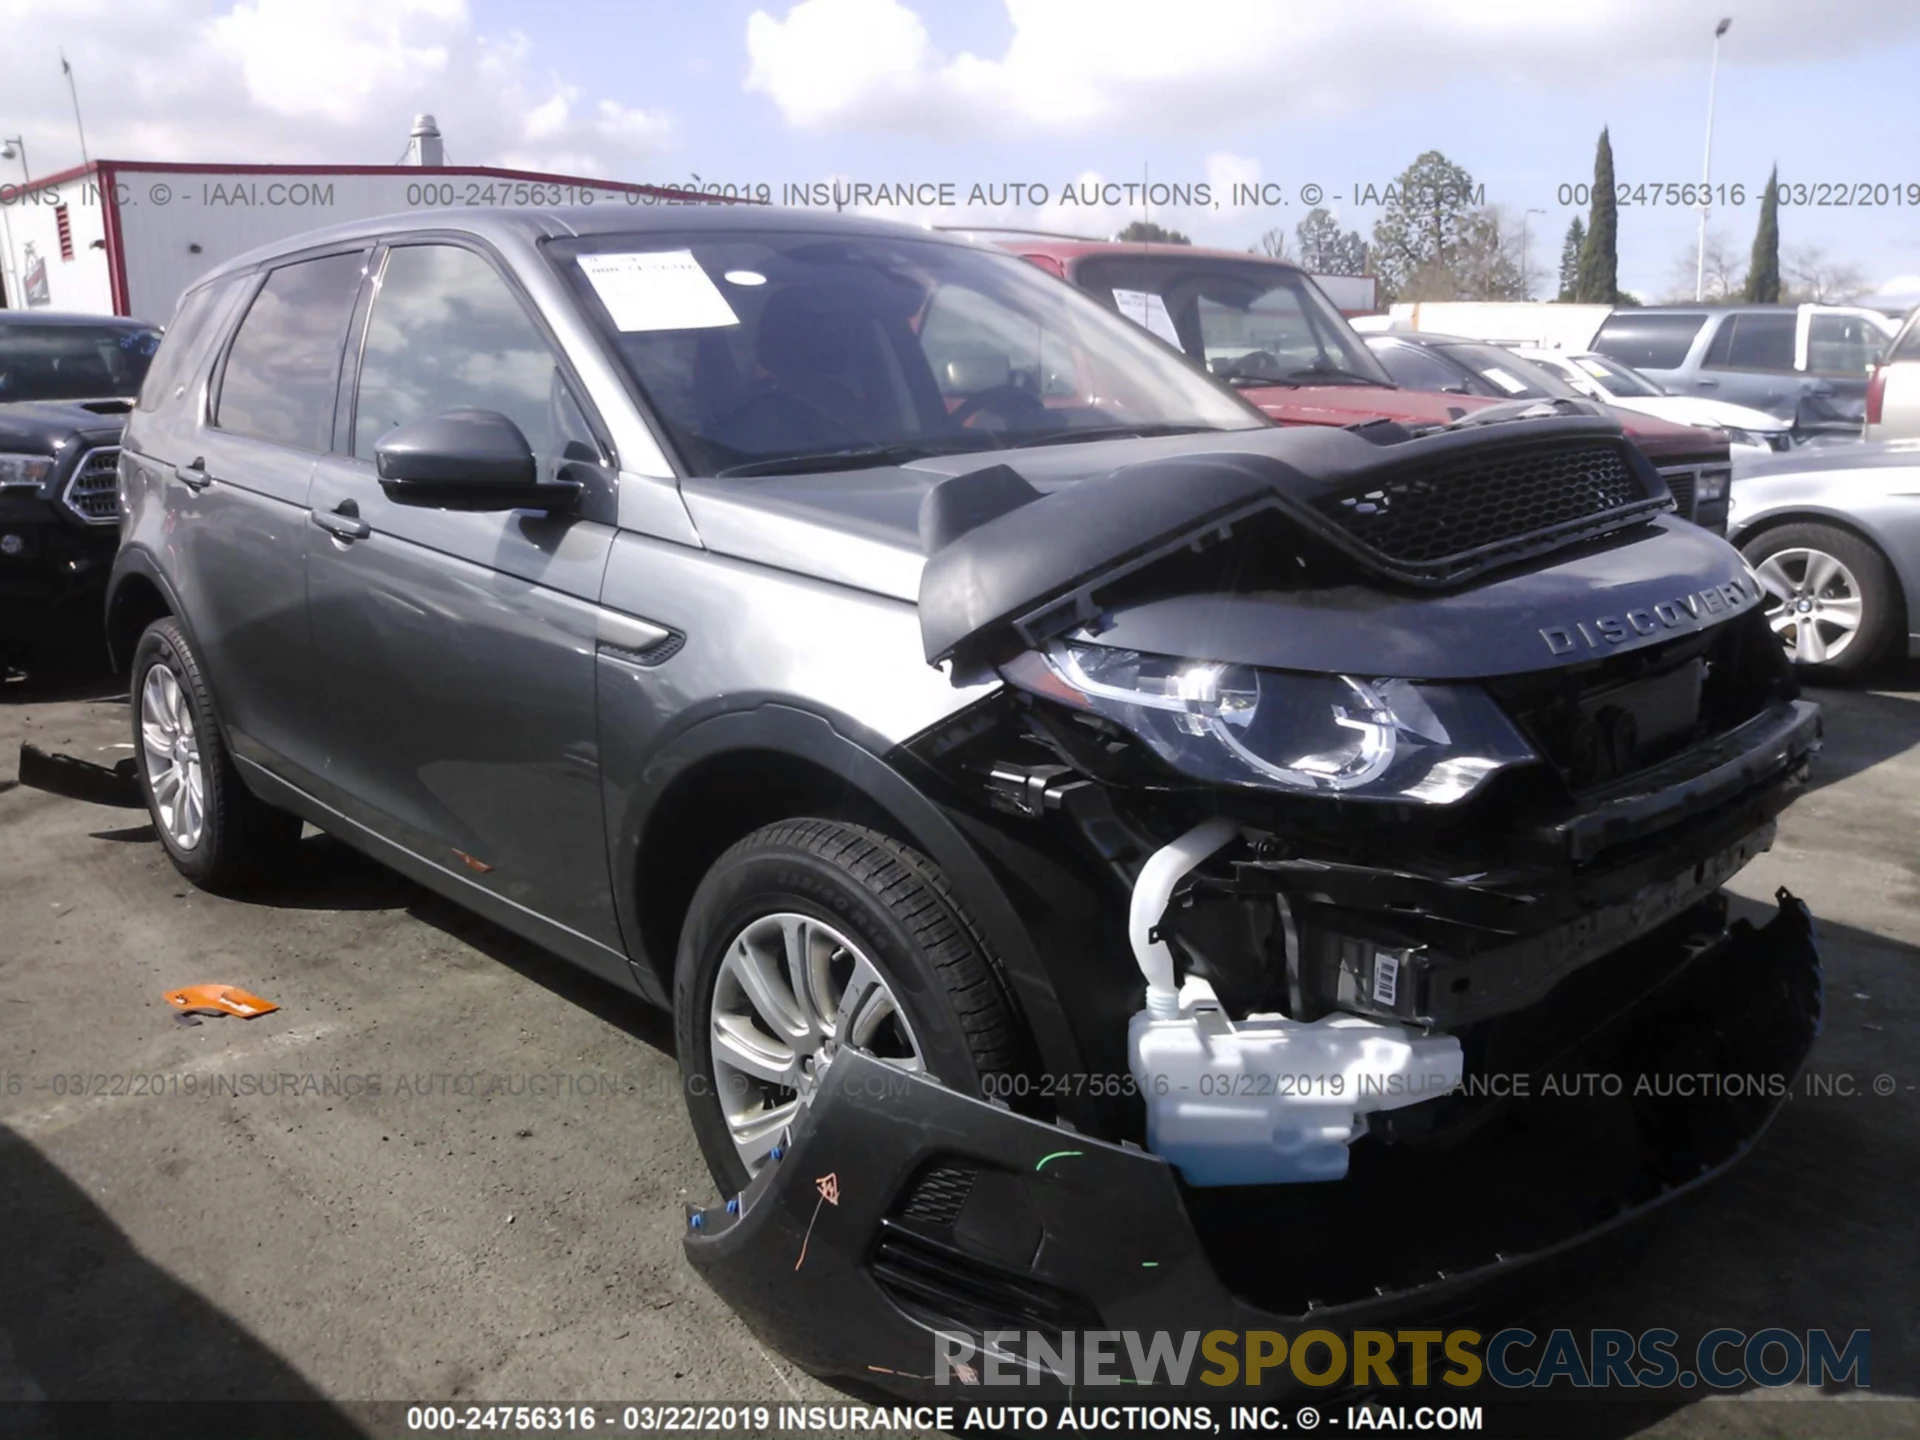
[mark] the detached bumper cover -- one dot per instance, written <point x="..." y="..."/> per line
<point x="903" y="1208"/>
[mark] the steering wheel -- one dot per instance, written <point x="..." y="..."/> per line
<point x="992" y="399"/>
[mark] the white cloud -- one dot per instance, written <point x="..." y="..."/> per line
<point x="1082" y="65"/>
<point x="1899" y="287"/>
<point x="296" y="81"/>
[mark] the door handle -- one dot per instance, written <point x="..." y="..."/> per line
<point x="194" y="476"/>
<point x="1708" y="384"/>
<point x="343" y="522"/>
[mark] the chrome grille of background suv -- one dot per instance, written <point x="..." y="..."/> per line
<point x="93" y="492"/>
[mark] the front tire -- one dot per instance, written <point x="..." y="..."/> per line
<point x="809" y="935"/>
<point x="217" y="832"/>
<point x="1830" y="597"/>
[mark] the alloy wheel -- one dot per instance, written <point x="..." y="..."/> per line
<point x="791" y="990"/>
<point x="170" y="751"/>
<point x="1814" y="604"/>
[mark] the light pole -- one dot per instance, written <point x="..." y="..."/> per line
<point x="1706" y="168"/>
<point x="8" y="150"/>
<point x="1526" y="255"/>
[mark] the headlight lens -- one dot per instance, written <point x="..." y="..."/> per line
<point x="24" y="471"/>
<point x="1711" y="485"/>
<point x="1234" y="724"/>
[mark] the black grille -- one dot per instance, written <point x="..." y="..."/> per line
<point x="951" y="1290"/>
<point x="94" y="491"/>
<point x="937" y="1196"/>
<point x="1680" y="482"/>
<point x="1447" y="521"/>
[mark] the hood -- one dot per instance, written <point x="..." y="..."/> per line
<point x="1697" y="410"/>
<point x="41" y="427"/>
<point x="1874" y="455"/>
<point x="1493" y="549"/>
<point x="1354" y="404"/>
<point x="1668" y="440"/>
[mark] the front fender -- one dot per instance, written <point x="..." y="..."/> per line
<point x="636" y="783"/>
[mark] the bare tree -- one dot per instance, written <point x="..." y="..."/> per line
<point x="1273" y="243"/>
<point x="1811" y="275"/>
<point x="1725" y="276"/>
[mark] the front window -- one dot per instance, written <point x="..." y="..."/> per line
<point x="774" y="350"/>
<point x="1247" y="321"/>
<point x="74" y="362"/>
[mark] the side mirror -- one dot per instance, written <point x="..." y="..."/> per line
<point x="466" y="460"/>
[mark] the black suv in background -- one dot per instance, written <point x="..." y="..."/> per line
<point x="66" y="385"/>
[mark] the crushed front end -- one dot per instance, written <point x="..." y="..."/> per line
<point x="1359" y="788"/>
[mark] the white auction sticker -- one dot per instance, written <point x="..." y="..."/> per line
<point x="1149" y="312"/>
<point x="657" y="290"/>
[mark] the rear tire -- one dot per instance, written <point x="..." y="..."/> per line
<point x="218" y="833"/>
<point x="781" y="926"/>
<point x="1830" y="597"/>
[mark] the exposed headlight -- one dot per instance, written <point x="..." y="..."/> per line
<point x="1710" y="485"/>
<point x="24" y="471"/>
<point x="1367" y="739"/>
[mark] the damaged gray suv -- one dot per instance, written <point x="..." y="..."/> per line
<point x="1136" y="862"/>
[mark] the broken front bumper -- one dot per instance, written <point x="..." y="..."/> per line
<point x="902" y="1208"/>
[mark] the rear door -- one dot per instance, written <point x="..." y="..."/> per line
<point x="237" y="506"/>
<point x="459" y="647"/>
<point x="1751" y="362"/>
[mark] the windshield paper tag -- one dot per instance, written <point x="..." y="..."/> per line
<point x="657" y="290"/>
<point x="1149" y="312"/>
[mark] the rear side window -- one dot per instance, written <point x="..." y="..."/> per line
<point x="177" y="346"/>
<point x="1758" y="342"/>
<point x="1649" y="342"/>
<point x="283" y="371"/>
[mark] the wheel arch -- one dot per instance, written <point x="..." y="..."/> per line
<point x="137" y="595"/>
<point x="731" y="774"/>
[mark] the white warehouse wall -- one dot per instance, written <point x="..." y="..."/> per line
<point x="28" y="221"/>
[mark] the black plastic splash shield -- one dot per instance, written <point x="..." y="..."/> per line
<point x="842" y="1255"/>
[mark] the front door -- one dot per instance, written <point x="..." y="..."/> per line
<point x="458" y="648"/>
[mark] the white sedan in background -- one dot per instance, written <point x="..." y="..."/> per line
<point x="1750" y="432"/>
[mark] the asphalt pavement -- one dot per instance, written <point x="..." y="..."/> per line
<point x="450" y="1167"/>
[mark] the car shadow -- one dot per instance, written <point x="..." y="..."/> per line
<point x="331" y="875"/>
<point x="1865" y="726"/>
<point x="114" y="1341"/>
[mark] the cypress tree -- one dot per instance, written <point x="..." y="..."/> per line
<point x="1599" y="277"/>
<point x="1763" y="269"/>
<point x="1570" y="258"/>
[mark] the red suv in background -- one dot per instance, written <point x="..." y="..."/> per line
<point x="1264" y="327"/>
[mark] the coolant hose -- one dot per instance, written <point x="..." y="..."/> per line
<point x="1151" y="893"/>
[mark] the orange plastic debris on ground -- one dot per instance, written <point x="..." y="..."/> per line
<point x="218" y="1000"/>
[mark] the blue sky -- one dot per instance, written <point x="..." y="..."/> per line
<point x="1041" y="91"/>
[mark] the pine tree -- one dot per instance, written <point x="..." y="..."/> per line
<point x="1599" y="275"/>
<point x="1763" y="270"/>
<point x="1570" y="258"/>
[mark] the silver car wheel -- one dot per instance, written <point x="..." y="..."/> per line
<point x="1814" y="604"/>
<point x="789" y="993"/>
<point x="170" y="751"/>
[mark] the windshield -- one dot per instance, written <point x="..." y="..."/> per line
<point x="771" y="349"/>
<point x="1245" y="320"/>
<point x="74" y="362"/>
<point x="1617" y="379"/>
<point x="1510" y="376"/>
